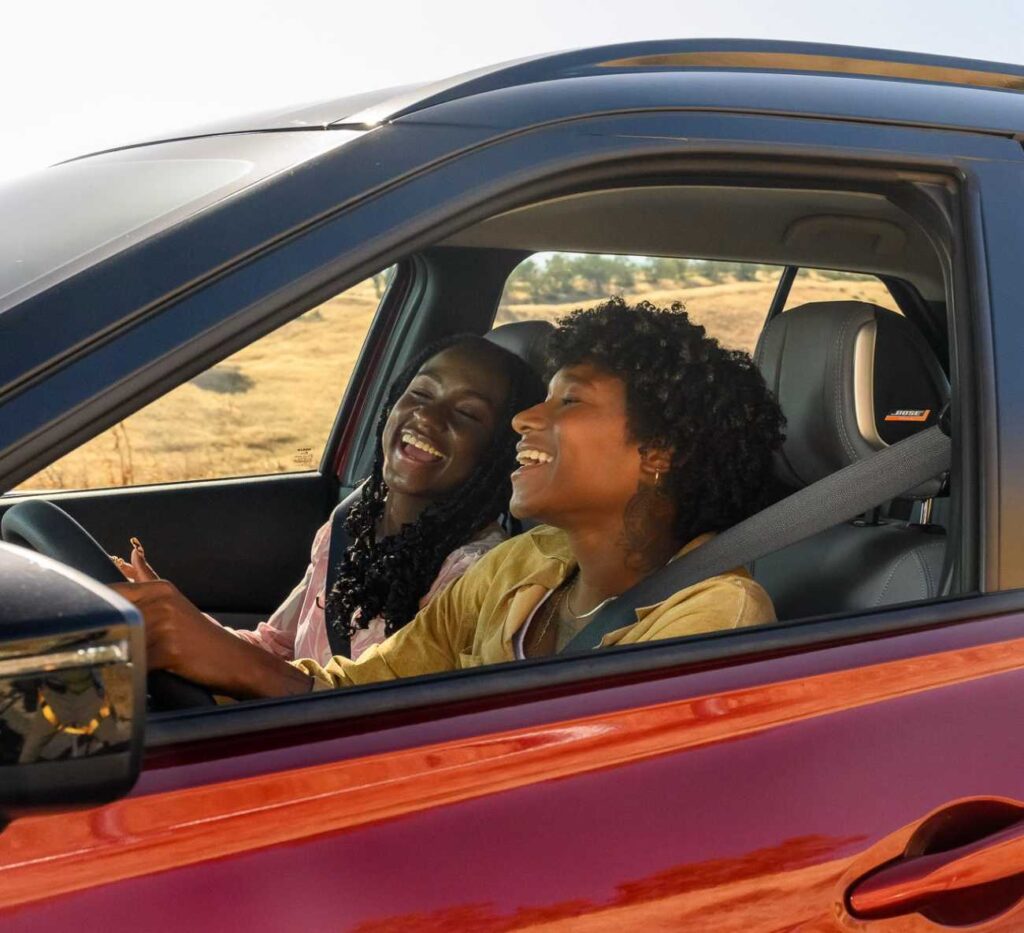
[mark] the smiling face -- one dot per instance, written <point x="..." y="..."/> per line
<point x="442" y="424"/>
<point x="578" y="464"/>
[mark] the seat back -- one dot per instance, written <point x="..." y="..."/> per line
<point x="851" y="378"/>
<point x="526" y="340"/>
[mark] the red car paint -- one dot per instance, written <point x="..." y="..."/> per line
<point x="667" y="804"/>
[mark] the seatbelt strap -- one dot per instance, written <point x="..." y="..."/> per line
<point x="339" y="641"/>
<point x="836" y="498"/>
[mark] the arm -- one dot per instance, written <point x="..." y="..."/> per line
<point x="429" y="644"/>
<point x="181" y="639"/>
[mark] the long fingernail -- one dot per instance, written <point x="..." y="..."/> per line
<point x="136" y="543"/>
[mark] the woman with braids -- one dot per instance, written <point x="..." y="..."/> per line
<point x="651" y="439"/>
<point x="427" y="512"/>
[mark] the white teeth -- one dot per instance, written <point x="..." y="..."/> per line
<point x="413" y="441"/>
<point x="529" y="455"/>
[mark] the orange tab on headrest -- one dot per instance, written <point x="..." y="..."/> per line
<point x="909" y="414"/>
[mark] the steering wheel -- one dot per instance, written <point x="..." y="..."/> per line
<point x="48" y="529"/>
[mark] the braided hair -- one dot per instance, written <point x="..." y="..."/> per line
<point x="387" y="578"/>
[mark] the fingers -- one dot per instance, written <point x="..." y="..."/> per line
<point x="141" y="570"/>
<point x="127" y="571"/>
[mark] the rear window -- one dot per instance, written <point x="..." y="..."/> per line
<point x="828" y="285"/>
<point x="731" y="299"/>
<point x="66" y="217"/>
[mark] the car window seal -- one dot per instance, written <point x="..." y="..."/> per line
<point x="450" y="692"/>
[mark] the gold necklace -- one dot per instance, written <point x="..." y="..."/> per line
<point x="586" y="615"/>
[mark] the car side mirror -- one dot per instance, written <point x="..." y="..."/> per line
<point x="72" y="687"/>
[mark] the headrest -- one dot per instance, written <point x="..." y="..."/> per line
<point x="851" y="378"/>
<point x="525" y="339"/>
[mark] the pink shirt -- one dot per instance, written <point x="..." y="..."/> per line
<point x="298" y="628"/>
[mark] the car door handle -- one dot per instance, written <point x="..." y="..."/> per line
<point x="909" y="884"/>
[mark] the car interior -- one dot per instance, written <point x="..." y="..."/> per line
<point x="840" y="370"/>
<point x="852" y="378"/>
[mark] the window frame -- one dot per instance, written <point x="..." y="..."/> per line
<point x="364" y="708"/>
<point x="560" y="159"/>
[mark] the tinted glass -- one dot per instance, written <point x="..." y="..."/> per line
<point x="68" y="216"/>
<point x="266" y="409"/>
<point x="828" y="285"/>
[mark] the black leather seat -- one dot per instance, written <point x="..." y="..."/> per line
<point x="851" y="378"/>
<point x="525" y="339"/>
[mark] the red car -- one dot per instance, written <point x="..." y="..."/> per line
<point x="177" y="318"/>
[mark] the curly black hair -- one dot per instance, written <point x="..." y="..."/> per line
<point x="389" y="577"/>
<point x="685" y="392"/>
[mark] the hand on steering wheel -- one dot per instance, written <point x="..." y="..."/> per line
<point x="48" y="529"/>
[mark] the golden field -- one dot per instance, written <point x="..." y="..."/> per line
<point x="269" y="407"/>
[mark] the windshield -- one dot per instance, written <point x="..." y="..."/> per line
<point x="67" y="217"/>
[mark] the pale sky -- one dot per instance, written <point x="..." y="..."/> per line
<point x="77" y="77"/>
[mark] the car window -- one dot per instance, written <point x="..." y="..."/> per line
<point x="831" y="285"/>
<point x="266" y="409"/>
<point x="121" y="197"/>
<point x="731" y="299"/>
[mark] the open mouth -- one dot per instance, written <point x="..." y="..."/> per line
<point x="419" y="449"/>
<point x="530" y="458"/>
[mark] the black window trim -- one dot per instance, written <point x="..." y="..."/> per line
<point x="436" y="696"/>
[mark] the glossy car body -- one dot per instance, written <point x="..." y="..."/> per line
<point x="741" y="782"/>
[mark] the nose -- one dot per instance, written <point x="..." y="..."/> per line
<point x="429" y="414"/>
<point x="530" y="419"/>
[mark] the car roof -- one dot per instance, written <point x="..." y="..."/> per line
<point x="910" y="79"/>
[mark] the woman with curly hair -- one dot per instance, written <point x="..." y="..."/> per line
<point x="427" y="512"/>
<point x="651" y="439"/>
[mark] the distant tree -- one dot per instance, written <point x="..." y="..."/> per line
<point x="527" y="279"/>
<point x="625" y="272"/>
<point x="717" y="271"/>
<point x="557" y="279"/>
<point x="668" y="270"/>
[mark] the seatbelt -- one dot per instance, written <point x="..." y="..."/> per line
<point x="836" y="498"/>
<point x="340" y="642"/>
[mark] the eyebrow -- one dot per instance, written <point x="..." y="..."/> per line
<point x="430" y="374"/>
<point x="575" y="380"/>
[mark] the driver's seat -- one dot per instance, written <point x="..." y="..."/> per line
<point x="851" y="378"/>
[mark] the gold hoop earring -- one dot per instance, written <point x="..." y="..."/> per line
<point x="657" y="476"/>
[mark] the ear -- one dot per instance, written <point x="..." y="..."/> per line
<point x="655" y="461"/>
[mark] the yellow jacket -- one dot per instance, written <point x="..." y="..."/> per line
<point x="474" y="620"/>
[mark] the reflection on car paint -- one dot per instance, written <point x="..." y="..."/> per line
<point x="45" y="856"/>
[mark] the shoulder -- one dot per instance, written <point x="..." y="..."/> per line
<point x="514" y="560"/>
<point x="483" y="540"/>
<point x="735" y="598"/>
<point x="463" y="558"/>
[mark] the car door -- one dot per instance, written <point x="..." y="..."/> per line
<point x="748" y="781"/>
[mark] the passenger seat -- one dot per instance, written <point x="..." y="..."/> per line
<point x="851" y="378"/>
